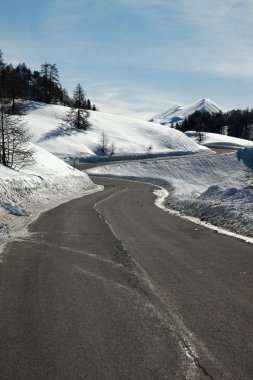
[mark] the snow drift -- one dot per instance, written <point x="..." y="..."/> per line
<point x="46" y="184"/>
<point x="215" y="140"/>
<point x="217" y="189"/>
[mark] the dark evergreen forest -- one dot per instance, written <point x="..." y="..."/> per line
<point x="21" y="83"/>
<point x="238" y="123"/>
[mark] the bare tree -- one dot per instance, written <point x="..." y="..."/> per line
<point x="15" y="148"/>
<point x="112" y="148"/>
<point x="104" y="143"/>
<point x="200" y="134"/>
<point x="150" y="148"/>
<point x="106" y="146"/>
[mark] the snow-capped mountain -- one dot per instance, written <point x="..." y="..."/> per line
<point x="178" y="113"/>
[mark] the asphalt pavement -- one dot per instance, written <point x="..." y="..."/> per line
<point x="109" y="286"/>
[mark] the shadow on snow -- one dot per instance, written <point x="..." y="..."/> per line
<point x="246" y="155"/>
<point x="61" y="131"/>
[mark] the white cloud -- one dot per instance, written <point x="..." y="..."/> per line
<point x="64" y="15"/>
<point x="209" y="36"/>
<point x="142" y="103"/>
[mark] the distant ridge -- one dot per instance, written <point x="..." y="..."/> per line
<point x="178" y="113"/>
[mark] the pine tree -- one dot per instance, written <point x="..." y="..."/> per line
<point x="50" y="81"/>
<point x="25" y="76"/>
<point x="78" y="115"/>
<point x="20" y="83"/>
<point x="88" y="105"/>
<point x="66" y="101"/>
<point x="2" y="65"/>
<point x="14" y="90"/>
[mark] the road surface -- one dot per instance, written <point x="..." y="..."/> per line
<point x="109" y="286"/>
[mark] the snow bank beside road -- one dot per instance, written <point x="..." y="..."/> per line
<point x="217" y="189"/>
<point x="44" y="185"/>
<point x="215" y="140"/>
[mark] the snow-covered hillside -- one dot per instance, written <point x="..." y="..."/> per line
<point x="217" y="189"/>
<point x="50" y="181"/>
<point x="215" y="140"/>
<point x="132" y="138"/>
<point x="41" y="186"/>
<point x="178" y="113"/>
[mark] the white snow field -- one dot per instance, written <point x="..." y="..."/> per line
<point x="26" y="193"/>
<point x="215" y="140"/>
<point x="178" y="113"/>
<point x="50" y="181"/>
<point x="217" y="189"/>
<point x="133" y="138"/>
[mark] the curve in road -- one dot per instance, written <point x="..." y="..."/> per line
<point x="108" y="286"/>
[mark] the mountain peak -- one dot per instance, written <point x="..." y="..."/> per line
<point x="177" y="113"/>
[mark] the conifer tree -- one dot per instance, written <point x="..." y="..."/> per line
<point x="1" y="60"/>
<point x="50" y="81"/>
<point x="78" y="115"/>
<point x="13" y="90"/>
<point x="20" y="83"/>
<point x="88" y="105"/>
<point x="65" y="99"/>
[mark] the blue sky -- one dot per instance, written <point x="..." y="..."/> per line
<point x="138" y="57"/>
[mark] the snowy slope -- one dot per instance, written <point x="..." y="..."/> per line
<point x="132" y="137"/>
<point x="215" y="140"/>
<point x="39" y="187"/>
<point x="217" y="188"/>
<point x="178" y="113"/>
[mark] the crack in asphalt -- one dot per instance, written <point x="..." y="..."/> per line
<point x="176" y="327"/>
<point x="64" y="248"/>
<point x="142" y="284"/>
<point x="149" y="290"/>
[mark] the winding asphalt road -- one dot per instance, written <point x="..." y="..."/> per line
<point x="109" y="286"/>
